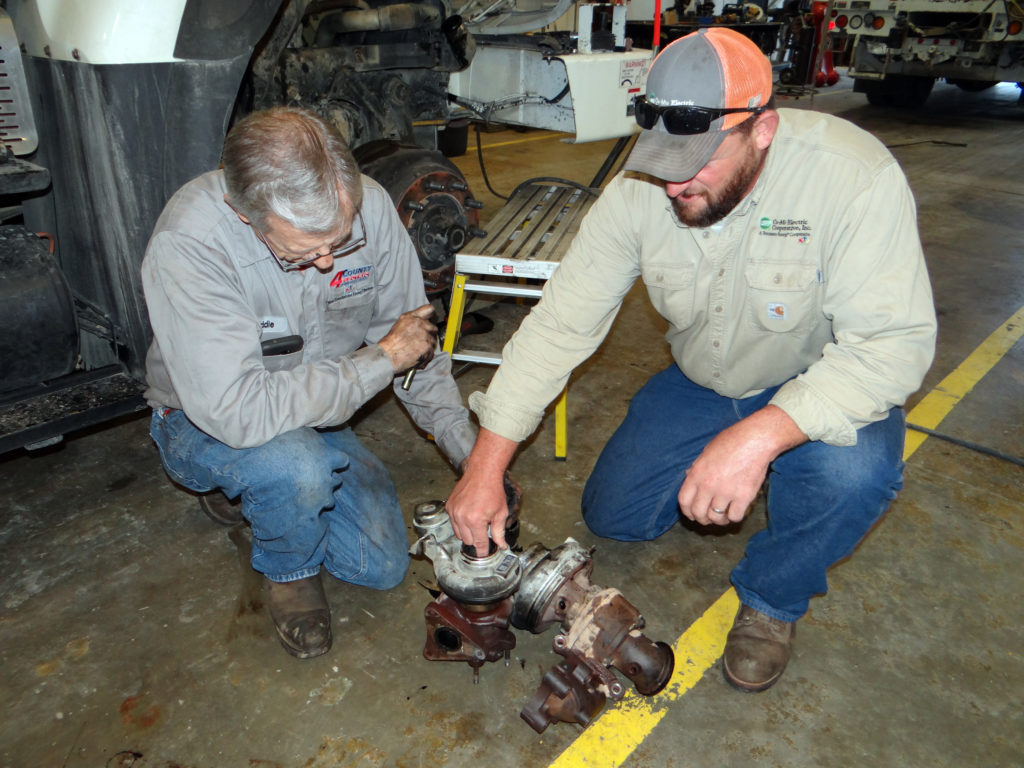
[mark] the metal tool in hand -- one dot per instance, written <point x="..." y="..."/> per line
<point x="407" y="381"/>
<point x="422" y="363"/>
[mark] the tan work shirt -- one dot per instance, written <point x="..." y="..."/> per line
<point x="816" y="281"/>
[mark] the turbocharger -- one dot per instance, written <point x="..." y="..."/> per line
<point x="534" y="590"/>
<point x="469" y="620"/>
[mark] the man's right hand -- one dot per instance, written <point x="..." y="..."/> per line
<point x="478" y="501"/>
<point x="412" y="339"/>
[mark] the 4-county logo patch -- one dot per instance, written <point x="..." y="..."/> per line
<point x="350" y="277"/>
<point x="349" y="283"/>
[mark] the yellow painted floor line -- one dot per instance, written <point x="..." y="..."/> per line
<point x="550" y="135"/>
<point x="937" y="404"/>
<point x="611" y="739"/>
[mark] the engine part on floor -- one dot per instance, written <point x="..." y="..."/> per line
<point x="534" y="590"/>
<point x="37" y="311"/>
<point x="470" y="633"/>
<point x="469" y="620"/>
<point x="461" y="572"/>
<point x="552" y="575"/>
<point x="570" y="692"/>
<point x="601" y="629"/>
<point x="433" y="201"/>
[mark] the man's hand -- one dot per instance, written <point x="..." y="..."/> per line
<point x="722" y="483"/>
<point x="478" y="501"/>
<point x="412" y="339"/>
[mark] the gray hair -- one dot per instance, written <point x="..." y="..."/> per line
<point x="294" y="164"/>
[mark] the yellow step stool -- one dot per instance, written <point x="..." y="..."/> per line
<point x="524" y="245"/>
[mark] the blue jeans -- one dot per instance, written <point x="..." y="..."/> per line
<point x="821" y="501"/>
<point x="313" y="497"/>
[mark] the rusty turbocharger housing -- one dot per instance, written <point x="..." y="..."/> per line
<point x="535" y="590"/>
<point x="469" y="620"/>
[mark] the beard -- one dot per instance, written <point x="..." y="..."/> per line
<point x="717" y="207"/>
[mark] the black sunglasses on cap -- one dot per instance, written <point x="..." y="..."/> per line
<point x="682" y="120"/>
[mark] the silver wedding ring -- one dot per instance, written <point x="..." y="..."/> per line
<point x="718" y="511"/>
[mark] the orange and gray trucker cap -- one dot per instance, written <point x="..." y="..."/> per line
<point x="715" y="68"/>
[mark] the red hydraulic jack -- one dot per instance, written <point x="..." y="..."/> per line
<point x="826" y="74"/>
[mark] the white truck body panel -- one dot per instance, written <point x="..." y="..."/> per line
<point x="974" y="40"/>
<point x="598" y="105"/>
<point x="108" y="32"/>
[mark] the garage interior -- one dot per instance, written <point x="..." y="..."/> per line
<point x="133" y="631"/>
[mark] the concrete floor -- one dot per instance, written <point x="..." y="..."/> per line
<point x="134" y="633"/>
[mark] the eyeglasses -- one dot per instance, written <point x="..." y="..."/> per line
<point x="353" y="243"/>
<point x="682" y="120"/>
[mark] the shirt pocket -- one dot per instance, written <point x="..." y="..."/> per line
<point x="282" y="362"/>
<point x="781" y="297"/>
<point x="356" y="302"/>
<point x="347" y="318"/>
<point x="672" y="288"/>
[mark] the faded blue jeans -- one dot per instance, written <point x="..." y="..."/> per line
<point x="822" y="499"/>
<point x="313" y="498"/>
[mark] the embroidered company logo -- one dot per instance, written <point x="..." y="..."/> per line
<point x="349" y="283"/>
<point x="796" y="228"/>
<point x="351" y="278"/>
<point x="776" y="311"/>
<point x="348" y="276"/>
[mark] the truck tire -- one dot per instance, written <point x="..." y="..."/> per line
<point x="898" y="91"/>
<point x="972" y="86"/>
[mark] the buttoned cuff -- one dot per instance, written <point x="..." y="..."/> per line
<point x="816" y="416"/>
<point x="457" y="442"/>
<point x="508" y="421"/>
<point x="374" y="369"/>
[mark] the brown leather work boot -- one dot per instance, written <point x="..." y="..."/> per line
<point x="220" y="508"/>
<point x="301" y="615"/>
<point x="756" y="650"/>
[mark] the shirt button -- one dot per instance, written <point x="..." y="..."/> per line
<point x="706" y="234"/>
<point x="715" y="375"/>
<point x="718" y="308"/>
<point x="721" y="272"/>
<point x="715" y="344"/>
<point x="777" y="279"/>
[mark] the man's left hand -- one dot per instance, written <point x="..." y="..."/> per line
<point x="723" y="482"/>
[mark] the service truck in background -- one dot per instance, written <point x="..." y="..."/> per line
<point x="899" y="48"/>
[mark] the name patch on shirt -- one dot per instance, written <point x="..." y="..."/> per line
<point x="351" y="282"/>
<point x="776" y="311"/>
<point x="796" y="228"/>
<point x="272" y="325"/>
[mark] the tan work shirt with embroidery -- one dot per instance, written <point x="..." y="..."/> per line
<point x="816" y="281"/>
